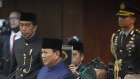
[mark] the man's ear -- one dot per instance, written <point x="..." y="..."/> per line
<point x="82" y="57"/>
<point x="35" y="27"/>
<point x="57" y="54"/>
<point x="134" y="20"/>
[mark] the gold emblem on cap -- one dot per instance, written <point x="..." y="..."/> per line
<point x="122" y="6"/>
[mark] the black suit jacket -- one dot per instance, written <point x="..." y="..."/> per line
<point x="33" y="61"/>
<point x="5" y="52"/>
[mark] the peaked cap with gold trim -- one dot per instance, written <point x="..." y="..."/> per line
<point x="127" y="10"/>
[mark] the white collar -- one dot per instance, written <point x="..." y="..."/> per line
<point x="18" y="33"/>
<point x="126" y="33"/>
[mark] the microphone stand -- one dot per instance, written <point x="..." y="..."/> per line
<point x="13" y="73"/>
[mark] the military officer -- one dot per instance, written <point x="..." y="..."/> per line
<point x="26" y="60"/>
<point x="125" y="43"/>
<point x="77" y="67"/>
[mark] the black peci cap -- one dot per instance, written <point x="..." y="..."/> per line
<point x="52" y="43"/>
<point x="29" y="17"/>
<point x="76" y="45"/>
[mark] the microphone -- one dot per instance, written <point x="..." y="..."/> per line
<point x="19" y="68"/>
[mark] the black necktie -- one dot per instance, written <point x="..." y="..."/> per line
<point x="123" y="39"/>
<point x="124" y="36"/>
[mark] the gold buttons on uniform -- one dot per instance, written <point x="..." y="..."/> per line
<point x="24" y="70"/>
<point x="120" y="51"/>
<point x="132" y="38"/>
<point x="119" y="30"/>
<point x="131" y="42"/>
<point x="26" y="44"/>
<point x="21" y="75"/>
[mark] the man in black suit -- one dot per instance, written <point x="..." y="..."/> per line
<point x="26" y="59"/>
<point x="7" y="40"/>
<point x="125" y="43"/>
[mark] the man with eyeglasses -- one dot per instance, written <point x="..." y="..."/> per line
<point x="8" y="40"/>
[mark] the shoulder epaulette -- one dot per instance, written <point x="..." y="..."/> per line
<point x="137" y="31"/>
<point x="118" y="31"/>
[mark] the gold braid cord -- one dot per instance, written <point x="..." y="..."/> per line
<point x="118" y="63"/>
<point x="24" y="70"/>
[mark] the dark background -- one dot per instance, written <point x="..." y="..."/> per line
<point x="93" y="21"/>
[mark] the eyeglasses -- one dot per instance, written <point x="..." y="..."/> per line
<point x="13" y="18"/>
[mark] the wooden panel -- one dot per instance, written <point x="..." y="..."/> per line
<point x="99" y="23"/>
<point x="49" y="15"/>
<point x="7" y="6"/>
<point x="73" y="19"/>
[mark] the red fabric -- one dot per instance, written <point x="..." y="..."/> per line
<point x="11" y="52"/>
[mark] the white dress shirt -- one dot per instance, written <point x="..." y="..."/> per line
<point x="18" y="35"/>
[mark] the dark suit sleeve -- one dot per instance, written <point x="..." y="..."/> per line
<point x="138" y="45"/>
<point x="13" y="61"/>
<point x="137" y="51"/>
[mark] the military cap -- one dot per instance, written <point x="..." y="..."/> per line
<point x="51" y="43"/>
<point x="127" y="10"/>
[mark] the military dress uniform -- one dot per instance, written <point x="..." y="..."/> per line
<point x="26" y="58"/>
<point x="128" y="50"/>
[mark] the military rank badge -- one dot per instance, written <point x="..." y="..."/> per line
<point x="128" y="45"/>
<point x="30" y="51"/>
<point x="129" y="55"/>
